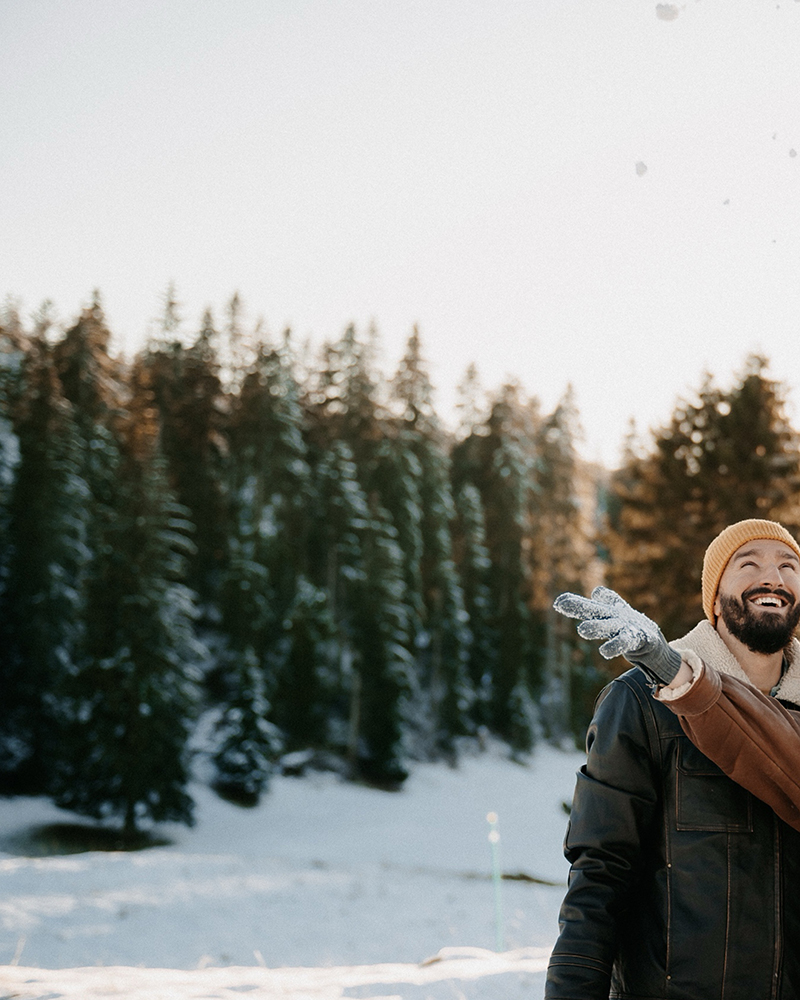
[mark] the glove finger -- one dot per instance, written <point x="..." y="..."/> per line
<point x="604" y="595"/>
<point x="599" y="628"/>
<point x="575" y="606"/>
<point x="626" y="641"/>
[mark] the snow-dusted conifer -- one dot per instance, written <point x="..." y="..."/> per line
<point x="188" y="392"/>
<point x="383" y="665"/>
<point x="270" y="499"/>
<point x="47" y="558"/>
<point x="442" y="645"/>
<point x="336" y="567"/>
<point x="129" y="701"/>
<point x="500" y="462"/>
<point x="474" y="565"/>
<point x="563" y="557"/>
<point x="307" y="674"/>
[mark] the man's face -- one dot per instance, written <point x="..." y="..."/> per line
<point x="759" y="595"/>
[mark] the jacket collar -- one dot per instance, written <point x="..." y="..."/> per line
<point x="706" y="642"/>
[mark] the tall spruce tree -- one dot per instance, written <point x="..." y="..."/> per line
<point x="474" y="567"/>
<point x="127" y="705"/>
<point x="47" y="558"/>
<point x="307" y="682"/>
<point x="563" y="557"/>
<point x="383" y="666"/>
<point x="271" y="499"/>
<point x="442" y="645"/>
<point x="724" y="456"/>
<point x="340" y="516"/>
<point x="500" y="460"/>
<point x="270" y="468"/>
<point x="187" y="388"/>
<point x="247" y="743"/>
<point x="349" y="435"/>
<point x="345" y="402"/>
<point x="13" y="345"/>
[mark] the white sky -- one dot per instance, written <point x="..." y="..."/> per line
<point x="467" y="166"/>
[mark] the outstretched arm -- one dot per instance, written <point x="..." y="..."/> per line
<point x="751" y="737"/>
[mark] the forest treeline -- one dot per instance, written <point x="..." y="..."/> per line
<point x="287" y="560"/>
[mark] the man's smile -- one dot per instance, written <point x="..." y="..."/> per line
<point x="773" y="599"/>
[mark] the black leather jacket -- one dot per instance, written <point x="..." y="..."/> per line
<point x="683" y="886"/>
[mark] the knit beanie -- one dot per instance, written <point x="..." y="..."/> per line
<point x="726" y="543"/>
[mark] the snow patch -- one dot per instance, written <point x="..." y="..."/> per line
<point x="326" y="889"/>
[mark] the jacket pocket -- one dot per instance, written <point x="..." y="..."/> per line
<point x="706" y="799"/>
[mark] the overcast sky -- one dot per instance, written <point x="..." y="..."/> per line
<point x="601" y="192"/>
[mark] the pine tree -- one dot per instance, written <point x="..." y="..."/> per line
<point x="474" y="567"/>
<point x="345" y="403"/>
<point x="444" y="636"/>
<point x="127" y="704"/>
<point x="500" y="461"/>
<point x="307" y="682"/>
<point x="271" y="497"/>
<point x="271" y="466"/>
<point x="13" y="345"/>
<point x="470" y="404"/>
<point x="399" y="472"/>
<point x="170" y="320"/>
<point x="46" y="565"/>
<point x="563" y="557"/>
<point x="247" y="742"/>
<point x="131" y="701"/>
<point x="358" y="473"/>
<point x="91" y="379"/>
<point x="187" y="390"/>
<point x="383" y="667"/>
<point x="336" y="566"/>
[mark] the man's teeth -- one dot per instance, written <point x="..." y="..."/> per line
<point x="770" y="602"/>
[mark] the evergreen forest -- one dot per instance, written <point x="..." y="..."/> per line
<point x="232" y="550"/>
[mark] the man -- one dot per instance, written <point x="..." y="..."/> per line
<point x="683" y="884"/>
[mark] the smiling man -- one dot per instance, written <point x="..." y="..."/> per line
<point x="683" y="884"/>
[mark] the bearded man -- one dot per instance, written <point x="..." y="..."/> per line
<point x="684" y="881"/>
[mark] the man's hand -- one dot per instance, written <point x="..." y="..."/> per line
<point x="627" y="632"/>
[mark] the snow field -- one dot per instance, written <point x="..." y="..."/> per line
<point x="320" y="875"/>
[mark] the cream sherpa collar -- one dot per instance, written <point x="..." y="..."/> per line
<point x="705" y="641"/>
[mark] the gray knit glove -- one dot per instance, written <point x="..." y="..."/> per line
<point x="627" y="632"/>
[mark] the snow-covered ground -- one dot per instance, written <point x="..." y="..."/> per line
<point x="326" y="890"/>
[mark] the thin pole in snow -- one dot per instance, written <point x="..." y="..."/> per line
<point x="494" y="840"/>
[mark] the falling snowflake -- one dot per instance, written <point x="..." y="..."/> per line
<point x="641" y="169"/>
<point x="667" y="11"/>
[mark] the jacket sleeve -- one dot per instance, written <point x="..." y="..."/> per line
<point x="616" y="797"/>
<point x="752" y="737"/>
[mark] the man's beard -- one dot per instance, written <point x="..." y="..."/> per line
<point x="760" y="631"/>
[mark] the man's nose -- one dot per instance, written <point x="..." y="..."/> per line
<point x="772" y="577"/>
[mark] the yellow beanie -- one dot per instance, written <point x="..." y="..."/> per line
<point x="726" y="543"/>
